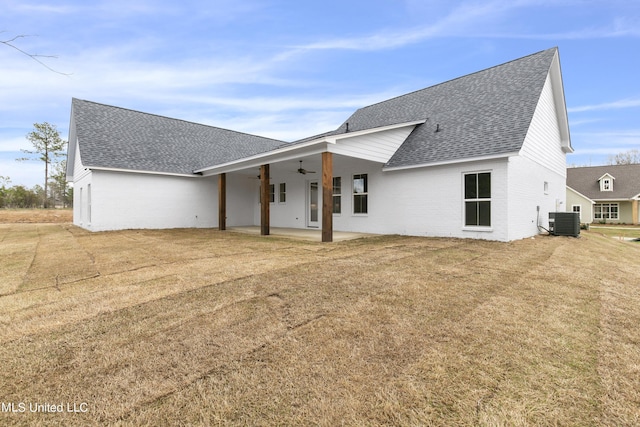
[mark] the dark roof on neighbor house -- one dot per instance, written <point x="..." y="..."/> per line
<point x="585" y="180"/>
<point x="119" y="138"/>
<point x="486" y="113"/>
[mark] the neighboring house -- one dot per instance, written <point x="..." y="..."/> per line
<point x="605" y="193"/>
<point x="481" y="156"/>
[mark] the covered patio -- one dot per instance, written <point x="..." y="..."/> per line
<point x="301" y="233"/>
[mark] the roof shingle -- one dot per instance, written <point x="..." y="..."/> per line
<point x="481" y="114"/>
<point x="625" y="185"/>
<point x="486" y="113"/>
<point x="119" y="138"/>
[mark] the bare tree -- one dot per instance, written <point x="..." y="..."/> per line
<point x="625" y="158"/>
<point x="36" y="57"/>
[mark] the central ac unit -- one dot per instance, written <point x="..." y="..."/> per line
<point x="564" y="223"/>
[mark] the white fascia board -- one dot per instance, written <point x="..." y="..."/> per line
<point x="605" y="175"/>
<point x="273" y="156"/>
<point x="450" y="162"/>
<point x="98" y="168"/>
<point x="619" y="199"/>
<point x="334" y="138"/>
<point x="560" y="103"/>
<point x="315" y="146"/>
<point x="581" y="195"/>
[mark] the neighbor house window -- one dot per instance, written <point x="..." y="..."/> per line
<point x="606" y="211"/>
<point x="578" y="209"/>
<point x="477" y="199"/>
<point x="360" y="194"/>
<point x="337" y="195"/>
<point x="282" y="194"/>
<point x="606" y="184"/>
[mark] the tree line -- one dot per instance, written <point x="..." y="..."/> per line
<point x="49" y="148"/>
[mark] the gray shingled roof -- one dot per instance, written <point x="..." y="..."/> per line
<point x="625" y="185"/>
<point x="482" y="114"/>
<point x="486" y="113"/>
<point x="114" y="137"/>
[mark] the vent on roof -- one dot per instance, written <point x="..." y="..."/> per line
<point x="564" y="223"/>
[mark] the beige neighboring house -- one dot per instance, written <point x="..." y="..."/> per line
<point x="605" y="193"/>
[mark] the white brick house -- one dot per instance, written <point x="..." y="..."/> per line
<point x="481" y="156"/>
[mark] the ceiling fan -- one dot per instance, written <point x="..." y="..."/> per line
<point x="304" y="171"/>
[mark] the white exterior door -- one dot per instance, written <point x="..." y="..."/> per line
<point x="313" y="198"/>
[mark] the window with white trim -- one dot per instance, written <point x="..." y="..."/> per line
<point x="360" y="194"/>
<point x="477" y="199"/>
<point x="282" y="194"/>
<point x="578" y="209"/>
<point x="88" y="203"/>
<point x="606" y="211"/>
<point x="606" y="184"/>
<point x="337" y="195"/>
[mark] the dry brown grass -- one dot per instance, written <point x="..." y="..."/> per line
<point x="12" y="216"/>
<point x="198" y="327"/>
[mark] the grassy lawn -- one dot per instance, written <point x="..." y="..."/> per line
<point x="199" y="327"/>
<point x="617" y="231"/>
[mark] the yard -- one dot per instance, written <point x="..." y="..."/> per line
<point x="200" y="327"/>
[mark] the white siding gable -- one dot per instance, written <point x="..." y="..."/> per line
<point x="78" y="169"/>
<point x="376" y="147"/>
<point x="543" y="143"/>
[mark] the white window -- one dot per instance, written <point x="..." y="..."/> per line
<point x="282" y="194"/>
<point x="477" y="199"/>
<point x="578" y="209"/>
<point x="88" y="203"/>
<point x="272" y="194"/>
<point x="337" y="195"/>
<point x="81" y="207"/>
<point x="360" y="194"/>
<point x="606" y="211"/>
<point x="606" y="183"/>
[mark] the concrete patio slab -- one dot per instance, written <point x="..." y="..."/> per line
<point x="314" y="235"/>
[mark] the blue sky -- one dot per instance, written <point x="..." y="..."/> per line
<point x="291" y="69"/>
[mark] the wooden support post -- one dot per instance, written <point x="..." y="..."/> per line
<point x="634" y="211"/>
<point x="264" y="200"/>
<point x="222" y="201"/>
<point x="327" y="197"/>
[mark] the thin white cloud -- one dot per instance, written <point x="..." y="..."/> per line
<point x="36" y="7"/>
<point x="615" y="105"/>
<point x="605" y="143"/>
<point x="455" y="23"/>
<point x="474" y="20"/>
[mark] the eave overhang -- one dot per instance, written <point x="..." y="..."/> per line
<point x="294" y="151"/>
<point x="450" y="162"/>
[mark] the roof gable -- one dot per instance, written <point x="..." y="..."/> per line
<point x="482" y="114"/>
